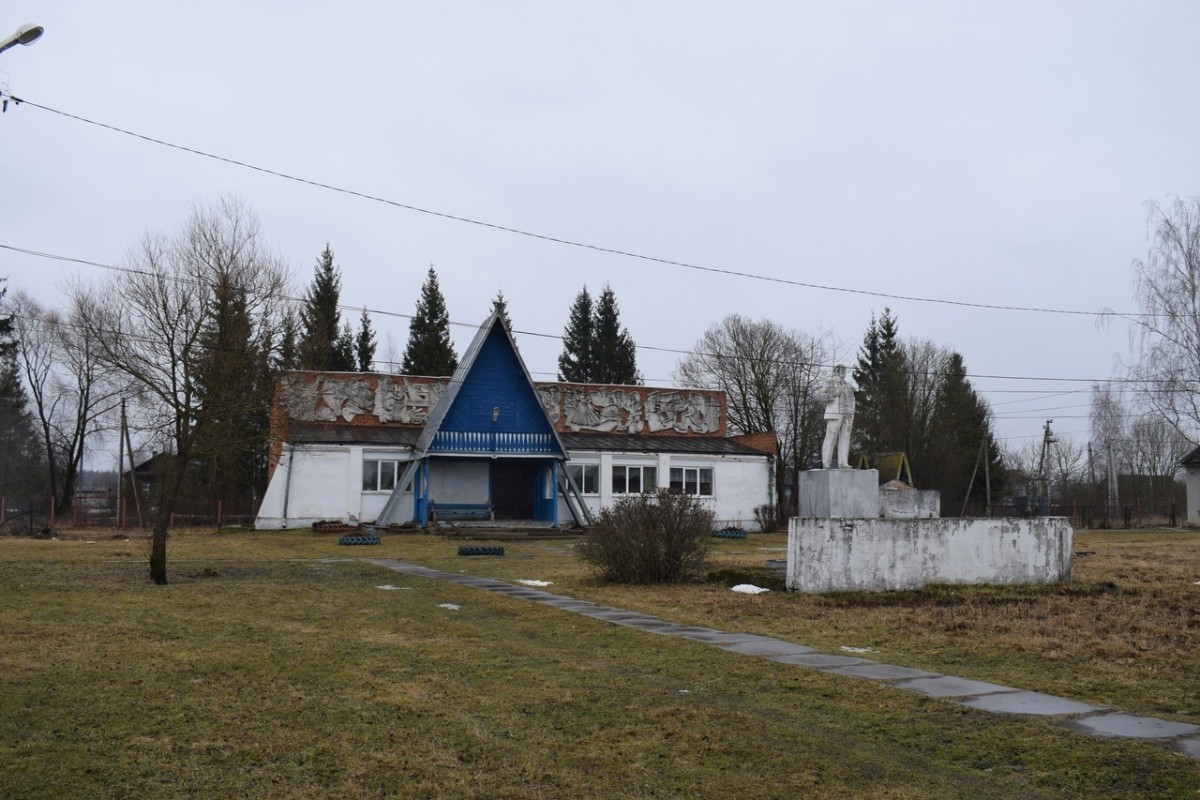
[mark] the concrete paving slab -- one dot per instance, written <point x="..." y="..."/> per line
<point x="820" y="660"/>
<point x="570" y="604"/>
<point x="1190" y="747"/>
<point x="1128" y="726"/>
<point x="650" y="624"/>
<point x="768" y="648"/>
<point x="1034" y="703"/>
<point x="950" y="686"/>
<point x="686" y="631"/>
<point x="722" y="638"/>
<point x="612" y="614"/>
<point x="882" y="672"/>
<point x="467" y="580"/>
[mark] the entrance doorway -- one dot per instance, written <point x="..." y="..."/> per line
<point x="513" y="488"/>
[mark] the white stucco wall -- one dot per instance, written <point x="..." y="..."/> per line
<point x="740" y="483"/>
<point x="326" y="483"/>
<point x="1191" y="480"/>
<point x="826" y="555"/>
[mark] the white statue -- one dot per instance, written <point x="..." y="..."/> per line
<point x="839" y="418"/>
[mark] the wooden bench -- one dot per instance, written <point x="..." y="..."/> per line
<point x="461" y="511"/>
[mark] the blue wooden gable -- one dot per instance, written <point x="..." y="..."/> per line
<point x="492" y="405"/>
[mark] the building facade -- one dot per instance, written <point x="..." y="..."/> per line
<point x="491" y="443"/>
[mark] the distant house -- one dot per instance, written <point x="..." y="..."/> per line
<point x="491" y="443"/>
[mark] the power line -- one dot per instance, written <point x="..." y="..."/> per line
<point x="559" y="337"/>
<point x="567" y="242"/>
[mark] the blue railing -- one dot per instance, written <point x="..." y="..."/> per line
<point x="489" y="442"/>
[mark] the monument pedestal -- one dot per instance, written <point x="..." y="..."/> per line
<point x="838" y="493"/>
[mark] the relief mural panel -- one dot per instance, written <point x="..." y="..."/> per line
<point x="330" y="399"/>
<point x="605" y="409"/>
<point x="404" y="400"/>
<point x="570" y="407"/>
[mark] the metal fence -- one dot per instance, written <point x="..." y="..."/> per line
<point x="30" y="515"/>
<point x="1137" y="512"/>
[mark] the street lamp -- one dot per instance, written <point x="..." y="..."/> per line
<point x="26" y="34"/>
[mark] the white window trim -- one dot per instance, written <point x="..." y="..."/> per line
<point x="712" y="482"/>
<point x="379" y="462"/>
<point x="581" y="481"/>
<point x="641" y="468"/>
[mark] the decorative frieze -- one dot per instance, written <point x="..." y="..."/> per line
<point x="404" y="400"/>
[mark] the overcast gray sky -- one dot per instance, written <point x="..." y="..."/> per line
<point x="996" y="153"/>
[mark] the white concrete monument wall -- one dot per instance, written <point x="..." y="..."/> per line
<point x="828" y="555"/>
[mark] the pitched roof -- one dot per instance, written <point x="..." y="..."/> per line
<point x="454" y="388"/>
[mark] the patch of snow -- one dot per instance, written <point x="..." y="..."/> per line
<point x="390" y="588"/>
<point x="857" y="649"/>
<point x="450" y="606"/>
<point x="529" y="582"/>
<point x="748" y="588"/>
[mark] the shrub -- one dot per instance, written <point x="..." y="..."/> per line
<point x="767" y="517"/>
<point x="650" y="538"/>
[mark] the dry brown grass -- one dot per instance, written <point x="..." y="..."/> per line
<point x="273" y="666"/>
<point x="1125" y="633"/>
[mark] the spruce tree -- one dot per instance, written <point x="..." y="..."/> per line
<point x="881" y="378"/>
<point x="320" y="348"/>
<point x="22" y="457"/>
<point x="500" y="305"/>
<point x="364" y="343"/>
<point x="288" y="356"/>
<point x="234" y="382"/>
<point x="575" y="363"/>
<point x="343" y="350"/>
<point x="962" y="425"/>
<point x="614" y="356"/>
<point x="430" y="351"/>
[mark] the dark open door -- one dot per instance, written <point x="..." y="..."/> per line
<point x="513" y="489"/>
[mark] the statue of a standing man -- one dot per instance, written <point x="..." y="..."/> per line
<point x="839" y="417"/>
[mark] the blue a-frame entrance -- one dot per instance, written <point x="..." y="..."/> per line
<point x="490" y="414"/>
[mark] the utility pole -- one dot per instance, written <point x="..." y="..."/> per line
<point x="1113" y="497"/>
<point x="1043" y="472"/>
<point x="987" y="473"/>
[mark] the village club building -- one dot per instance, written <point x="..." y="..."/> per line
<point x="489" y="443"/>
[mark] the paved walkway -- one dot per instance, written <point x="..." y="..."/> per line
<point x="1082" y="717"/>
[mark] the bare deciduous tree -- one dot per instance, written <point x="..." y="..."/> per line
<point x="770" y="377"/>
<point x="1108" y="415"/>
<point x="71" y="392"/>
<point x="150" y="323"/>
<point x="1167" y="331"/>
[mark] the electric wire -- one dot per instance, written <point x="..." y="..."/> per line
<point x="1103" y="313"/>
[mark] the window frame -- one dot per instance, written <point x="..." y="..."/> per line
<point x="581" y="479"/>
<point x="693" y="477"/>
<point x="378" y="483"/>
<point x="641" y="470"/>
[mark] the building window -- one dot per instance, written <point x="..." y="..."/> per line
<point x="692" y="480"/>
<point x="634" y="480"/>
<point x="586" y="477"/>
<point x="379" y="476"/>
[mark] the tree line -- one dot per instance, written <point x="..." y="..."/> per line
<point x="194" y="329"/>
<point x="190" y="335"/>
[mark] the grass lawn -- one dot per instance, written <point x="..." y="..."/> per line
<point x="266" y="670"/>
